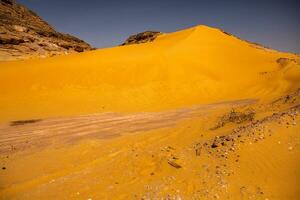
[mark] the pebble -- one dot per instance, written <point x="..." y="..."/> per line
<point x="214" y="145"/>
<point x="173" y="164"/>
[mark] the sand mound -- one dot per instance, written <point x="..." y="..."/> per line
<point x="181" y="69"/>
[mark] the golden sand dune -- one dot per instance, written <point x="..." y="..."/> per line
<point x="189" y="67"/>
<point x="195" y="114"/>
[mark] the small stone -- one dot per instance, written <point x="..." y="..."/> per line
<point x="173" y="164"/>
<point x="214" y="145"/>
<point x="3" y="168"/>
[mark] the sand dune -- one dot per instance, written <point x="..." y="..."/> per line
<point x="189" y="67"/>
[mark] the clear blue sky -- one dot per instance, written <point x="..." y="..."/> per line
<point x="274" y="23"/>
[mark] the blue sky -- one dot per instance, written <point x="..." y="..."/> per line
<point x="108" y="23"/>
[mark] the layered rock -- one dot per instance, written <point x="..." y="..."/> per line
<point x="147" y="36"/>
<point x="23" y="34"/>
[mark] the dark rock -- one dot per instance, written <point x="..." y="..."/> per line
<point x="214" y="145"/>
<point x="147" y="36"/>
<point x="10" y="2"/>
<point x="79" y="49"/>
<point x="11" y="41"/>
<point x="23" y="122"/>
<point x="174" y="164"/>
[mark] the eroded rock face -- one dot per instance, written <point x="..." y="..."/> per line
<point x="23" y="34"/>
<point x="147" y="36"/>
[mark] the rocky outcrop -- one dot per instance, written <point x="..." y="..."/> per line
<point x="147" y="36"/>
<point x="23" y="34"/>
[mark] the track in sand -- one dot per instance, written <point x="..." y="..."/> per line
<point x="22" y="134"/>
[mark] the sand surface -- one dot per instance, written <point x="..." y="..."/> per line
<point x="196" y="114"/>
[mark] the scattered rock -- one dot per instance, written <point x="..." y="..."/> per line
<point x="235" y="117"/>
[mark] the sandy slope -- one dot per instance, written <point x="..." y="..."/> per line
<point x="197" y="65"/>
<point x="162" y="155"/>
<point x="144" y="122"/>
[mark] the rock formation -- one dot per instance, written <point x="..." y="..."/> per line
<point x="23" y="34"/>
<point x="147" y="36"/>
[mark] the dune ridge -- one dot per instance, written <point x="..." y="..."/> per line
<point x="181" y="69"/>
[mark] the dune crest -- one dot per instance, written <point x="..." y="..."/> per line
<point x="181" y="69"/>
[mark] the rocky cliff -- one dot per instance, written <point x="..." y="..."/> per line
<point x="23" y="34"/>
